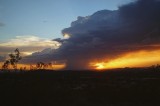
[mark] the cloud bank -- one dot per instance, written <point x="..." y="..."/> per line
<point x="108" y="34"/>
<point x="27" y="44"/>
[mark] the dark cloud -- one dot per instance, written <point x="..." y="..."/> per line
<point x="135" y="26"/>
<point x="60" y="40"/>
<point x="45" y="55"/>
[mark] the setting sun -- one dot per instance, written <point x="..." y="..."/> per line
<point x="99" y="66"/>
<point x="133" y="59"/>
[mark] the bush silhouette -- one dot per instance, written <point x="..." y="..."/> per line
<point x="13" y="60"/>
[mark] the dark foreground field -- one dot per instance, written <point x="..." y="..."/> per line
<point x="121" y="87"/>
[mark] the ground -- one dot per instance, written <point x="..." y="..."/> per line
<point x="120" y="87"/>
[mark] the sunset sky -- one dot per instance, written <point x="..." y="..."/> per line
<point x="33" y="21"/>
<point x="111" y="32"/>
<point x="46" y="18"/>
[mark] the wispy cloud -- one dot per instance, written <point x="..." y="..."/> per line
<point x="28" y="44"/>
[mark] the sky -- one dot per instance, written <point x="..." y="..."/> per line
<point x="46" y="18"/>
<point x="98" y="33"/>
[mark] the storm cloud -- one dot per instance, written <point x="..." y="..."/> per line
<point x="135" y="26"/>
<point x="107" y="34"/>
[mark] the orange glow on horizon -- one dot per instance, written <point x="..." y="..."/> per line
<point x="100" y="66"/>
<point x="27" y="66"/>
<point x="133" y="59"/>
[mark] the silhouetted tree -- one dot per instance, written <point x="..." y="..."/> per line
<point x="158" y="67"/>
<point x="13" y="60"/>
<point x="31" y="67"/>
<point x="40" y="65"/>
<point x="50" y="65"/>
<point x="6" y="64"/>
<point x="155" y="67"/>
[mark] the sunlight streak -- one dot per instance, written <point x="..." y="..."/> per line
<point x="133" y="59"/>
